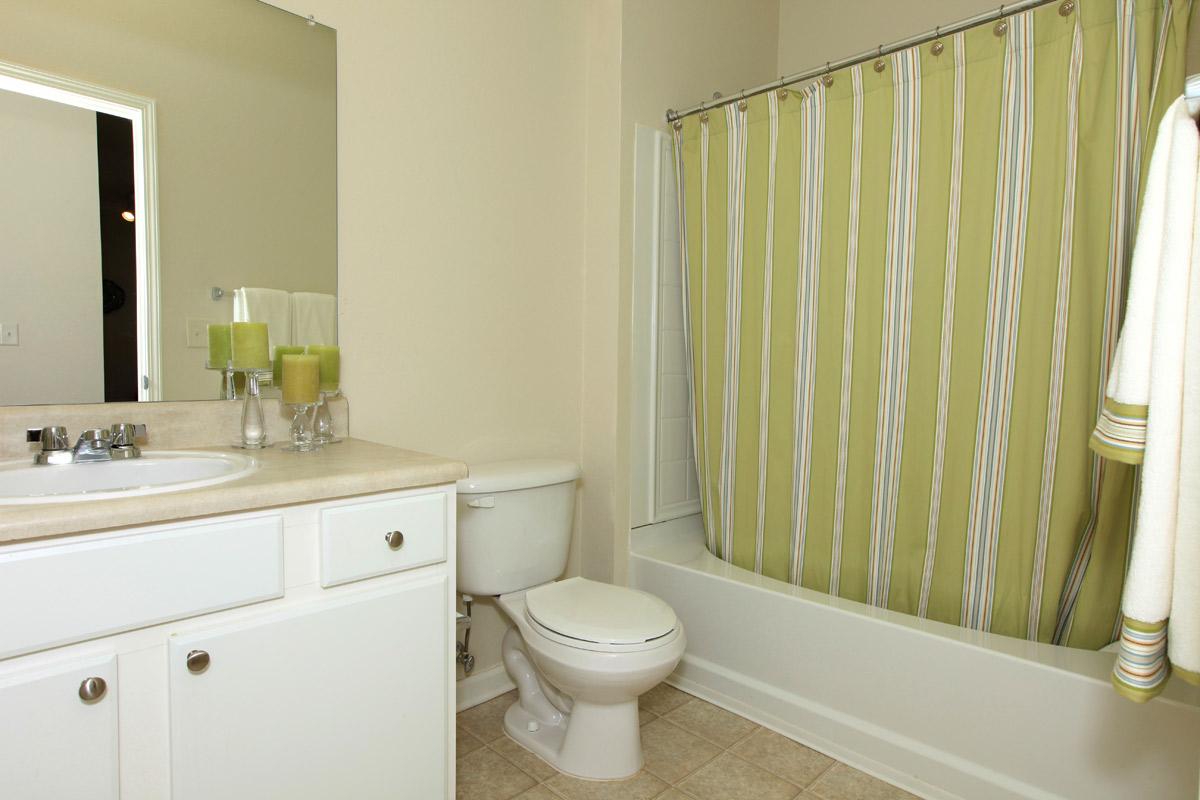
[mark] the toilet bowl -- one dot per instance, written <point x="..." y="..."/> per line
<point x="580" y="652"/>
<point x="596" y="663"/>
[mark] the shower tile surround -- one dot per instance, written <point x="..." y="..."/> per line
<point x="693" y="750"/>
<point x="676" y="489"/>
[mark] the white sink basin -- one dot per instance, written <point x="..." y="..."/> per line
<point x="23" y="483"/>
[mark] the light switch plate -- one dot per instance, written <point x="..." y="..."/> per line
<point x="197" y="333"/>
<point x="10" y="334"/>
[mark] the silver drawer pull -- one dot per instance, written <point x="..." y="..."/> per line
<point x="197" y="661"/>
<point x="92" y="689"/>
<point x="395" y="539"/>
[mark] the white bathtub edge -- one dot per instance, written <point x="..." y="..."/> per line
<point x="943" y="713"/>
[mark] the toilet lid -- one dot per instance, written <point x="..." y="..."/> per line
<point x="599" y="612"/>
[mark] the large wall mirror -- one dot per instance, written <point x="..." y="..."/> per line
<point x="164" y="166"/>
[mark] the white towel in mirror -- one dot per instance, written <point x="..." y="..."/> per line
<point x="314" y="318"/>
<point x="272" y="306"/>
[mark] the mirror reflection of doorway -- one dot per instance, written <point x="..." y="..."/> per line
<point x="79" y="265"/>
<point x="118" y="256"/>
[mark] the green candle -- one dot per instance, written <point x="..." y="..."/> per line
<point x="282" y="350"/>
<point x="331" y="365"/>
<point x="248" y="342"/>
<point x="301" y="378"/>
<point x="218" y="345"/>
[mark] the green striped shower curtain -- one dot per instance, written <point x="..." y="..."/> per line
<point x="904" y="287"/>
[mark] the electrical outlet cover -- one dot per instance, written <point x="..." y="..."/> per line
<point x="197" y="333"/>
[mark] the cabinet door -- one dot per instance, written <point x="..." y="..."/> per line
<point x="54" y="745"/>
<point x="344" y="698"/>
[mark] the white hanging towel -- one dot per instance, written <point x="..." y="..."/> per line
<point x="1150" y="417"/>
<point x="314" y="318"/>
<point x="272" y="306"/>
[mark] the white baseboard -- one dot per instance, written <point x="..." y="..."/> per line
<point x="482" y="686"/>
<point x="855" y="742"/>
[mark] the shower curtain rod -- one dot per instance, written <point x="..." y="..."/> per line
<point x="1065" y="8"/>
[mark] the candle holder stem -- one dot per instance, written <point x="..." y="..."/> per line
<point x="254" y="428"/>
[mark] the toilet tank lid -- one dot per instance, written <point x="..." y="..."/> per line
<point x="507" y="476"/>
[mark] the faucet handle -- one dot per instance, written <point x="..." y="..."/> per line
<point x="124" y="434"/>
<point x="53" y="437"/>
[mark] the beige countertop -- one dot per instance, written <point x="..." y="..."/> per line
<point x="348" y="468"/>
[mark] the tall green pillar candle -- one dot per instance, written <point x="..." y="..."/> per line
<point x="249" y="344"/>
<point x="282" y="350"/>
<point x="331" y="365"/>
<point x="301" y="378"/>
<point x="218" y="345"/>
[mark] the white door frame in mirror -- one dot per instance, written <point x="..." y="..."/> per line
<point x="140" y="111"/>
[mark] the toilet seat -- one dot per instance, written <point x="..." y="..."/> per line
<point x="589" y="615"/>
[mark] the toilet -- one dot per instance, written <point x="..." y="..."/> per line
<point x="580" y="652"/>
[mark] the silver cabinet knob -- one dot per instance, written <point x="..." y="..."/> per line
<point x="394" y="539"/>
<point x="92" y="689"/>
<point x="197" y="661"/>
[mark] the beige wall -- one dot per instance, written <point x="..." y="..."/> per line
<point x="246" y="142"/>
<point x="812" y="32"/>
<point x="50" y="257"/>
<point x="462" y="205"/>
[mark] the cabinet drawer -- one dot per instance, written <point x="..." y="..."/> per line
<point x="72" y="591"/>
<point x="354" y="538"/>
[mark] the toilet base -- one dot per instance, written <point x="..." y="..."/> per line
<point x="544" y="740"/>
<point x="596" y="742"/>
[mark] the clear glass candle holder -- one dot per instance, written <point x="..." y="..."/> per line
<point x="323" y="421"/>
<point x="254" y="425"/>
<point x="302" y="429"/>
<point x="228" y="391"/>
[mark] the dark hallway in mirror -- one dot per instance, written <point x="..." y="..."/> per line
<point x="118" y="254"/>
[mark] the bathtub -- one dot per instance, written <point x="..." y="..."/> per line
<point x="941" y="711"/>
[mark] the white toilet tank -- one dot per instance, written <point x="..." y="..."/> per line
<point x="514" y="524"/>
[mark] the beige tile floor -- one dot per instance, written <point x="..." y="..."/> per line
<point x="693" y="749"/>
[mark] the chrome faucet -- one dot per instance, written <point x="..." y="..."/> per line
<point x="94" y="444"/>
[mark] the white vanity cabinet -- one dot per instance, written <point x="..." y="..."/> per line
<point x="323" y="700"/>
<point x="302" y="652"/>
<point x="54" y="743"/>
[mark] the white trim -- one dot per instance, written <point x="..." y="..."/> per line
<point x="647" y="205"/>
<point x="482" y="686"/>
<point x="141" y="112"/>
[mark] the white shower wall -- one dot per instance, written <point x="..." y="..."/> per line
<point x="664" y="463"/>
